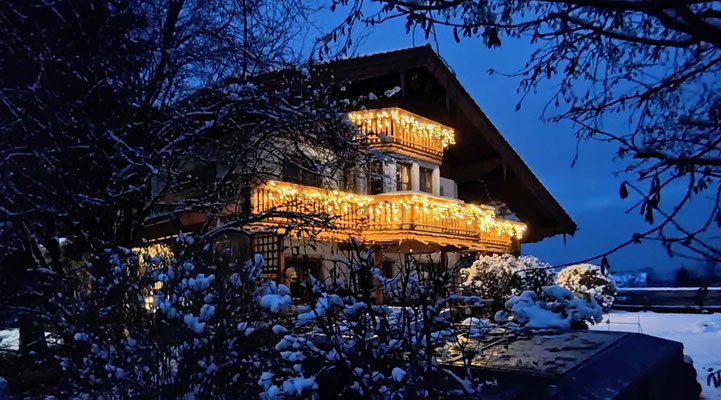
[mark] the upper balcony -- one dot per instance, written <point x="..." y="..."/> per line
<point x="389" y="218"/>
<point x="396" y="130"/>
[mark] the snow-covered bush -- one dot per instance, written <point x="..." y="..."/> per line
<point x="587" y="281"/>
<point x="346" y="345"/>
<point x="498" y="277"/>
<point x="184" y="327"/>
<point x="555" y="308"/>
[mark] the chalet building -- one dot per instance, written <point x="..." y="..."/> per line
<point x="449" y="183"/>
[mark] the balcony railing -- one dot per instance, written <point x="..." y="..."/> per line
<point x="388" y="217"/>
<point x="394" y="129"/>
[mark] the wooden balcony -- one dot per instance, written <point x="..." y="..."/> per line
<point x="399" y="131"/>
<point x="389" y="218"/>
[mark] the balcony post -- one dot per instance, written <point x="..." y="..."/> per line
<point x="415" y="177"/>
<point x="436" y="184"/>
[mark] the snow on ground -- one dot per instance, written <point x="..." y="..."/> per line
<point x="699" y="333"/>
<point x="9" y="339"/>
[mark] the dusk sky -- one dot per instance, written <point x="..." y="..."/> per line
<point x="588" y="191"/>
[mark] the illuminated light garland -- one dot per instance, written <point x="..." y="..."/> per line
<point x="337" y="203"/>
<point x="404" y="120"/>
<point x="151" y="251"/>
<point x="333" y="200"/>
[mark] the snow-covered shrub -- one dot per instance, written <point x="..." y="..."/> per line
<point x="346" y="345"/>
<point x="555" y="308"/>
<point x="498" y="277"/>
<point x="587" y="281"/>
<point x="184" y="327"/>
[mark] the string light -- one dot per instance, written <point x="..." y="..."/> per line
<point x="151" y="251"/>
<point x="389" y="208"/>
<point x="333" y="200"/>
<point x="157" y="249"/>
<point x="381" y="120"/>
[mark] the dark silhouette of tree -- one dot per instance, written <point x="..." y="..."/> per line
<point x="651" y="65"/>
<point x="106" y="106"/>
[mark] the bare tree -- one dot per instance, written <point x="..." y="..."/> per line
<point x="105" y="106"/>
<point x="641" y="75"/>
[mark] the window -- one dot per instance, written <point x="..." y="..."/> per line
<point x="293" y="173"/>
<point x="426" y="180"/>
<point x="403" y="177"/>
<point x="375" y="178"/>
<point x="268" y="246"/>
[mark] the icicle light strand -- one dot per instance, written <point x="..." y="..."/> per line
<point x="404" y="120"/>
<point x="341" y="203"/>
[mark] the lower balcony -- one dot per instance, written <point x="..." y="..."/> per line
<point x="414" y="219"/>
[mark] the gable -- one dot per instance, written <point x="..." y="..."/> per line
<point x="483" y="164"/>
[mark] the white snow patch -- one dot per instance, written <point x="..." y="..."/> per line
<point x="206" y="312"/>
<point x="391" y="92"/>
<point x="194" y="323"/>
<point x="699" y="333"/>
<point x="297" y="385"/>
<point x="558" y="292"/>
<point x="275" y="302"/>
<point x="10" y="339"/>
<point x="80" y="337"/>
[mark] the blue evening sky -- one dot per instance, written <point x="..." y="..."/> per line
<point x="588" y="191"/>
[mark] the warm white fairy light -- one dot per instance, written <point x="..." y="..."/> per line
<point x="151" y="251"/>
<point x="417" y="126"/>
<point x="390" y="209"/>
<point x="333" y="200"/>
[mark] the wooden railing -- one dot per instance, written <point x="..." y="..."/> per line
<point x="396" y="129"/>
<point x="389" y="217"/>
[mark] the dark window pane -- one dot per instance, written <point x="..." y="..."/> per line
<point x="293" y="173"/>
<point x="403" y="177"/>
<point x="375" y="178"/>
<point x="426" y="180"/>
